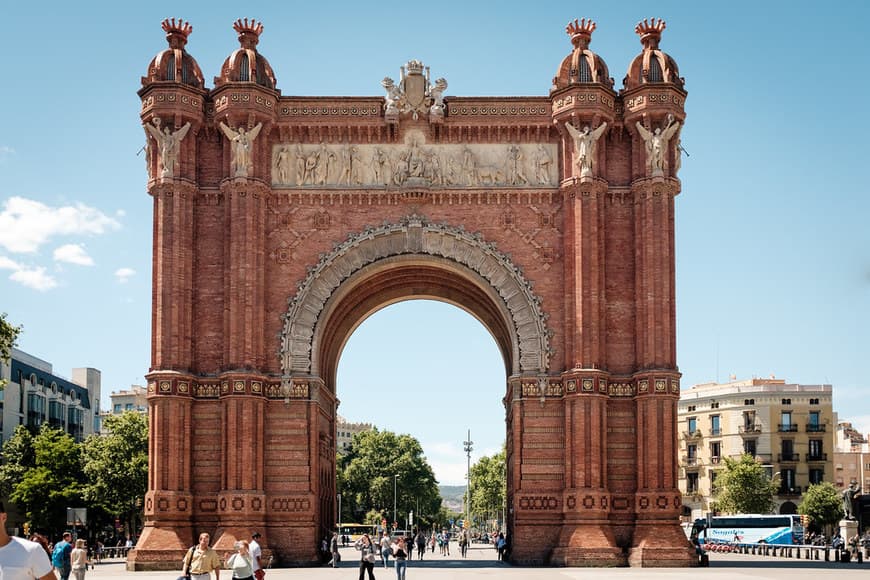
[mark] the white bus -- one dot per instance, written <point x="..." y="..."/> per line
<point x="784" y="529"/>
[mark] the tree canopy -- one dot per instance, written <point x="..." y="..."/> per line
<point x="744" y="487"/>
<point x="8" y="336"/>
<point x="379" y="462"/>
<point x="488" y="485"/>
<point x="823" y="504"/>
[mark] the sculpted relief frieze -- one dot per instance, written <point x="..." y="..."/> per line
<point x="413" y="164"/>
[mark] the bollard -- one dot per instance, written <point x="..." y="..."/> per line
<point x="860" y="557"/>
<point x="827" y="554"/>
<point x="816" y="554"/>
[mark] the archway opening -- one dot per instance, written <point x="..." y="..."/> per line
<point x="430" y="370"/>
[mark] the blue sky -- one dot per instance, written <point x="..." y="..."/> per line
<point x="773" y="249"/>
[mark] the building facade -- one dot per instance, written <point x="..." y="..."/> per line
<point x="788" y="427"/>
<point x="282" y="222"/>
<point x="35" y="396"/>
<point x="134" y="399"/>
<point x="344" y="432"/>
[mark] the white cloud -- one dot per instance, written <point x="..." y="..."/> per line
<point x="27" y="224"/>
<point x="73" y="254"/>
<point x="35" y="278"/>
<point x="124" y="274"/>
<point x="6" y="150"/>
<point x="7" y="264"/>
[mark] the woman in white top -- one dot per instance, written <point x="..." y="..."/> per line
<point x="79" y="559"/>
<point x="241" y="563"/>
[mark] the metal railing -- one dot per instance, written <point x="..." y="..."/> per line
<point x="754" y="428"/>
<point x="789" y="457"/>
<point x="815" y="428"/>
<point x="817" y="456"/>
<point x="789" y="428"/>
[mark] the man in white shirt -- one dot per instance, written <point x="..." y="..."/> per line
<point x="20" y="558"/>
<point x="256" y="556"/>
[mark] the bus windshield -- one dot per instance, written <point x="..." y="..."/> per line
<point x="355" y="531"/>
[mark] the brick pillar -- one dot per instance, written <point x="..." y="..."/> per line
<point x="658" y="539"/>
<point x="168" y="529"/>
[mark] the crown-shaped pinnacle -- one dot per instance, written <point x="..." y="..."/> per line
<point x="580" y="31"/>
<point x="650" y="32"/>
<point x="176" y="31"/>
<point x="249" y="32"/>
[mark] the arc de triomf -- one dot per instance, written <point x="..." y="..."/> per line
<point x="280" y="223"/>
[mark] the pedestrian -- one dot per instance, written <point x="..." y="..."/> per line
<point x="421" y="544"/>
<point x="60" y="557"/>
<point x="432" y="541"/>
<point x="333" y="547"/>
<point x="366" y="556"/>
<point x="400" y="553"/>
<point x="257" y="556"/>
<point x="500" y="545"/>
<point x="386" y="550"/>
<point x="79" y="560"/>
<point x="23" y="558"/>
<point x="201" y="560"/>
<point x="241" y="562"/>
<point x="463" y="542"/>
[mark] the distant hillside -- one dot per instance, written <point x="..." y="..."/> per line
<point x="452" y="496"/>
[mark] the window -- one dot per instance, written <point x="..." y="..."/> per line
<point x="748" y="402"/>
<point x="814" y="401"/>
<point x="585" y="72"/>
<point x="817" y="476"/>
<point x="691" y="454"/>
<point x="715" y="450"/>
<point x="786" y="401"/>
<point x="714" y="405"/>
<point x="785" y="424"/>
<point x="813" y="422"/>
<point x="787" y="481"/>
<point x="128" y="407"/>
<point x="117" y="408"/>
<point x="692" y="482"/>
<point x="787" y="450"/>
<point x="750" y="446"/>
<point x="815" y="450"/>
<point x="692" y="424"/>
<point x="715" y="427"/>
<point x="691" y="409"/>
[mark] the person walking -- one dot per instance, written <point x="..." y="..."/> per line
<point x="24" y="559"/>
<point x="257" y="556"/>
<point x="241" y="562"/>
<point x="366" y="556"/>
<point x="386" y="550"/>
<point x="201" y="560"/>
<point x="60" y="557"/>
<point x="333" y="547"/>
<point x="400" y="554"/>
<point x="463" y="542"/>
<point x="79" y="560"/>
<point x="421" y="544"/>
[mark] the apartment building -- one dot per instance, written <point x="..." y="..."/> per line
<point x="788" y="427"/>
<point x="344" y="432"/>
<point x="35" y="395"/>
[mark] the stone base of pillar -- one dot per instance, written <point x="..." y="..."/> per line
<point x="587" y="545"/>
<point x="659" y="544"/>
<point x="159" y="548"/>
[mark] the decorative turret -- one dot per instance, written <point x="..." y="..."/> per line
<point x="583" y="105"/>
<point x="652" y="65"/>
<point x="174" y="64"/>
<point x="582" y="65"/>
<point x="245" y="64"/>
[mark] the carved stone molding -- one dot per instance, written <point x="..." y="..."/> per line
<point x="415" y="235"/>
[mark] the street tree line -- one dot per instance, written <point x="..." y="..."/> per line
<point x="745" y="487"/>
<point x="46" y="471"/>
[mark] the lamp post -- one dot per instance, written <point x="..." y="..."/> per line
<point x="338" y="522"/>
<point x="467" y="448"/>
<point x="395" y="481"/>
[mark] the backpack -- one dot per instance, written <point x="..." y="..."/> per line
<point x="57" y="555"/>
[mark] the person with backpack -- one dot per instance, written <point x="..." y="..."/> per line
<point x="201" y="560"/>
<point x="61" y="557"/>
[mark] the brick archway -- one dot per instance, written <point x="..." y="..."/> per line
<point x="560" y="241"/>
<point x="522" y="332"/>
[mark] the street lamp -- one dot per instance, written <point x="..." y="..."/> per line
<point x="338" y="523"/>
<point x="395" y="481"/>
<point x="467" y="448"/>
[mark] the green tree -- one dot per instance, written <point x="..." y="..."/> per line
<point x="8" y="336"/>
<point x="367" y="478"/>
<point x="18" y="458"/>
<point x="488" y="485"/>
<point x="116" y="467"/>
<point x="744" y="487"/>
<point x="53" y="483"/>
<point x="823" y="504"/>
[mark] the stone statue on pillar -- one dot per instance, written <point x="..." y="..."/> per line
<point x="168" y="143"/>
<point x="849" y="495"/>
<point x="657" y="145"/>
<point x="242" y="143"/>
<point x="584" y="148"/>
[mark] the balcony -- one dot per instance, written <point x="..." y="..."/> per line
<point x="788" y="428"/>
<point x="789" y="491"/>
<point x="690" y="461"/>
<point x="815" y="428"/>
<point x="788" y="457"/>
<point x="715" y="432"/>
<point x="715" y="460"/>
<point x="817" y="456"/>
<point x="696" y="434"/>
<point x="749" y="429"/>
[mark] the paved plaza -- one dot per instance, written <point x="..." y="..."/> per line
<point x="481" y="563"/>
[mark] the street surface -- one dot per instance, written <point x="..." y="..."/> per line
<point x="481" y="563"/>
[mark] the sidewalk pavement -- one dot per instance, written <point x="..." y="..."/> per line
<point x="481" y="564"/>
